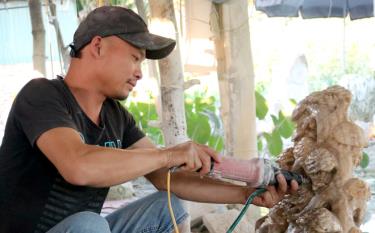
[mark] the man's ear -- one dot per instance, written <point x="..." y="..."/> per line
<point x="96" y="45"/>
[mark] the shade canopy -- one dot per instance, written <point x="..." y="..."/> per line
<point x="308" y="9"/>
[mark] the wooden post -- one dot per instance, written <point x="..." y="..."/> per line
<point x="236" y="77"/>
<point x="63" y="50"/>
<point x="173" y="122"/>
<point x="39" y="40"/>
<point x="171" y="79"/>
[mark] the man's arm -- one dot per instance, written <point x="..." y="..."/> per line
<point x="191" y="186"/>
<point x="82" y="164"/>
<point x="90" y="165"/>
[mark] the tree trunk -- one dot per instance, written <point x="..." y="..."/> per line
<point x="141" y="9"/>
<point x="151" y="68"/>
<point x="236" y="77"/>
<point x="229" y="22"/>
<point x="37" y="29"/>
<point x="171" y="81"/>
<point x="152" y="65"/>
<point x="173" y="122"/>
<point x="63" y="50"/>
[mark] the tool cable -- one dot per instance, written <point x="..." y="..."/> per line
<point x="236" y="221"/>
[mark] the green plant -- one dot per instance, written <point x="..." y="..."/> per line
<point x="203" y="124"/>
<point x="329" y="72"/>
<point x="143" y="113"/>
<point x="261" y="107"/>
<point x="365" y="160"/>
<point x="283" y="127"/>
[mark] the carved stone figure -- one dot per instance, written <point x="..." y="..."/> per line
<point x="327" y="147"/>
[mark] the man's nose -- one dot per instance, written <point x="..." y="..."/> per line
<point x="138" y="73"/>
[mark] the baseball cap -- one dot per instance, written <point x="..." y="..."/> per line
<point x="125" y="24"/>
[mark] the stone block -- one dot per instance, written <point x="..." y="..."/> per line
<point x="220" y="222"/>
<point x="198" y="210"/>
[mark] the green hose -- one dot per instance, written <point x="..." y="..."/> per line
<point x="244" y="209"/>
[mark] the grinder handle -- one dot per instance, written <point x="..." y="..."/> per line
<point x="289" y="176"/>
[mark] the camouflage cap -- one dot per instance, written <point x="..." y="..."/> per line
<point x="124" y="23"/>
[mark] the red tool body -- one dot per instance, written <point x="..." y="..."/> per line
<point x="255" y="172"/>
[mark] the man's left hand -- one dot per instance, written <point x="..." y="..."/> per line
<point x="273" y="195"/>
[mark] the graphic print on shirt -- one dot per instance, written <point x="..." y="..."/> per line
<point x="111" y="143"/>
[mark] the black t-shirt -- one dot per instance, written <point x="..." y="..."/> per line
<point x="33" y="195"/>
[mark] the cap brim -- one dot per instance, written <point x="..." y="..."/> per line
<point x="156" y="47"/>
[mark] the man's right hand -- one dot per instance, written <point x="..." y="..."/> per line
<point x="191" y="156"/>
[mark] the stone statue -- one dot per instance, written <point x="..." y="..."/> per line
<point x="327" y="147"/>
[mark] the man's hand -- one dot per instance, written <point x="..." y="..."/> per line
<point x="191" y="156"/>
<point x="272" y="196"/>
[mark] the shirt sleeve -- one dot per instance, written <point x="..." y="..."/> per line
<point x="40" y="107"/>
<point x="131" y="133"/>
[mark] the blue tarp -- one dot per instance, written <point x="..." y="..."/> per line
<point x="323" y="8"/>
<point x="279" y="8"/>
<point x="357" y="9"/>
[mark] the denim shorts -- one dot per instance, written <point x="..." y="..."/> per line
<point x="146" y="215"/>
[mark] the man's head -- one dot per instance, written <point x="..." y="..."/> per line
<point x="125" y="24"/>
<point x="108" y="48"/>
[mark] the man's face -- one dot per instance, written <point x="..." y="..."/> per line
<point x="121" y="68"/>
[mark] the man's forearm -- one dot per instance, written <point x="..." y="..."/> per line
<point x="191" y="187"/>
<point x="89" y="165"/>
<point x="104" y="167"/>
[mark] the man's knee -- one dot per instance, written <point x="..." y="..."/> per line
<point x="179" y="209"/>
<point x="177" y="204"/>
<point x="84" y="222"/>
<point x="91" y="223"/>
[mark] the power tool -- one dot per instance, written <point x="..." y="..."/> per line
<point x="256" y="172"/>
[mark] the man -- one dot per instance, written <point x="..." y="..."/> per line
<point x="67" y="140"/>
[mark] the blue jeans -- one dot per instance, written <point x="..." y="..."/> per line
<point x="147" y="215"/>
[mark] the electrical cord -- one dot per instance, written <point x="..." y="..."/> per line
<point x="244" y="208"/>
<point x="234" y="224"/>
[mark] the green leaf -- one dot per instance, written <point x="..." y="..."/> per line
<point x="79" y="6"/>
<point x="275" y="120"/>
<point x="155" y="135"/>
<point x="188" y="106"/>
<point x="216" y="142"/>
<point x="198" y="103"/>
<point x="135" y="112"/>
<point x="259" y="144"/>
<point x="203" y="124"/>
<point x="286" y="126"/>
<point x="204" y="104"/>
<point x="365" y="160"/>
<point x="198" y="128"/>
<point x="274" y="142"/>
<point x="260" y="106"/>
<point x="211" y="100"/>
<point x="213" y="119"/>
<point x="293" y="102"/>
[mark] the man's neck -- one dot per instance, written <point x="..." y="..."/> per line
<point x="89" y="100"/>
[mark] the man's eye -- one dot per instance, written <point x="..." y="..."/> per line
<point x="136" y="58"/>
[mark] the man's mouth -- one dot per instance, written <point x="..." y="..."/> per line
<point x="131" y="84"/>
